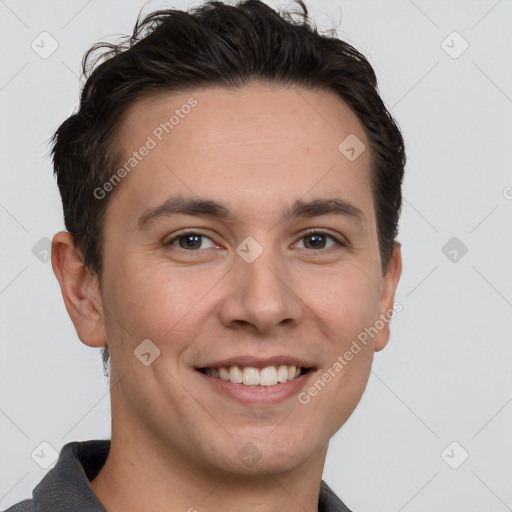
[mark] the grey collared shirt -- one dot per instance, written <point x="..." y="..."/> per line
<point x="66" y="488"/>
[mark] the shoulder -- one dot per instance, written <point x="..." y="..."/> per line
<point x="329" y="501"/>
<point x="22" y="506"/>
<point x="66" y="486"/>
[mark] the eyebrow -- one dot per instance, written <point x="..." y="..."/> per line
<point x="177" y="205"/>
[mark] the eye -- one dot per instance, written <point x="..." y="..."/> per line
<point x="317" y="240"/>
<point x="190" y="240"/>
<point x="193" y="240"/>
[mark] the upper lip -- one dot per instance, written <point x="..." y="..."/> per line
<point x="258" y="362"/>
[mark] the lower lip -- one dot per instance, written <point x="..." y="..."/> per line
<point x="254" y="395"/>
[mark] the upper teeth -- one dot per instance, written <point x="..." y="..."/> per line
<point x="251" y="376"/>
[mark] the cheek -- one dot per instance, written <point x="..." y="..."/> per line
<point x="349" y="301"/>
<point x="153" y="300"/>
<point x="356" y="296"/>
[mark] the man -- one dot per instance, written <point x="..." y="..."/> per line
<point x="231" y="186"/>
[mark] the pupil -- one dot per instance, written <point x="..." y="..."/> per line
<point x="317" y="239"/>
<point x="193" y="239"/>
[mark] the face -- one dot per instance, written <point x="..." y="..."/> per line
<point x="242" y="238"/>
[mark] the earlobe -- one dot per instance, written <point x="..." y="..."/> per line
<point x="387" y="299"/>
<point x="80" y="291"/>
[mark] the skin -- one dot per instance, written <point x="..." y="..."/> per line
<point x="175" y="440"/>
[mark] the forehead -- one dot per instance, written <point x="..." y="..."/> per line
<point x="244" y="144"/>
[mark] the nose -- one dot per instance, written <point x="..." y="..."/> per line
<point x="261" y="295"/>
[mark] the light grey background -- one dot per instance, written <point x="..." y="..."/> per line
<point x="446" y="374"/>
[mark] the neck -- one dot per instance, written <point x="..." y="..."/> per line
<point x="144" y="475"/>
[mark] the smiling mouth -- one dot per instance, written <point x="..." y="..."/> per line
<point x="252" y="376"/>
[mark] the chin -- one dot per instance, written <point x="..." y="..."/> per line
<point x="256" y="455"/>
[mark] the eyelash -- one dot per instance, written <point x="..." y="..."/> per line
<point x="307" y="233"/>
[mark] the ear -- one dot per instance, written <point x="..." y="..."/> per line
<point x="80" y="291"/>
<point x="387" y="298"/>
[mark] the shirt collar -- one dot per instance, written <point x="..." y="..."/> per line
<point x="66" y="486"/>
